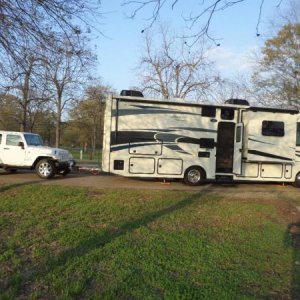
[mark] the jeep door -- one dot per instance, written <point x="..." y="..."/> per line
<point x="12" y="153"/>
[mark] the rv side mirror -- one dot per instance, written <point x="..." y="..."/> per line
<point x="21" y="144"/>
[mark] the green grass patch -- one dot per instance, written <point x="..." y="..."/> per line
<point x="58" y="242"/>
<point x="86" y="155"/>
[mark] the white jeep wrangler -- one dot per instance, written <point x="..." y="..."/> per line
<point x="22" y="150"/>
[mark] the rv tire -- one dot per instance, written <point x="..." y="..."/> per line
<point x="297" y="180"/>
<point x="194" y="175"/>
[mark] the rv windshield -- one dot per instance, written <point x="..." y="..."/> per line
<point x="33" y="139"/>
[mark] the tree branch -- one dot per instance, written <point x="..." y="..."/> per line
<point x="210" y="8"/>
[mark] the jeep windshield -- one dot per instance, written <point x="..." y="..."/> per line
<point x="33" y="139"/>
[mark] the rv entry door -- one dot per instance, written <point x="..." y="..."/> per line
<point x="229" y="148"/>
<point x="238" y="149"/>
<point x="225" y="147"/>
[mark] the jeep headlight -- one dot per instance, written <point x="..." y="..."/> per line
<point x="56" y="155"/>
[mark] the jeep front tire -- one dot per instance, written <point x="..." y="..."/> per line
<point x="45" y="168"/>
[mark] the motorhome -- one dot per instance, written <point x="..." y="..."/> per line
<point x="146" y="137"/>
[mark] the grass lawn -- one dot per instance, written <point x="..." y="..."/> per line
<point x="58" y="242"/>
<point x="86" y="156"/>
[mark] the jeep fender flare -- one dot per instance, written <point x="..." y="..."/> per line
<point x="40" y="158"/>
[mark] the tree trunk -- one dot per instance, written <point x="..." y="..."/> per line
<point x="101" y="119"/>
<point x="94" y="139"/>
<point x="57" y="123"/>
<point x="23" y="126"/>
<point x="25" y="103"/>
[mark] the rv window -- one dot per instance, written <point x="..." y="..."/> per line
<point x="0" y="138"/>
<point x="227" y="113"/>
<point x="208" y="111"/>
<point x="298" y="134"/>
<point x="238" y="137"/>
<point x="272" y="128"/>
<point x="207" y="143"/>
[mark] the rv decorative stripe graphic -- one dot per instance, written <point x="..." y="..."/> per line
<point x="146" y="110"/>
<point x="176" y="148"/>
<point x="195" y="129"/>
<point x="121" y="140"/>
<point x="263" y="142"/>
<point x="129" y="146"/>
<point x="250" y="139"/>
<point x="173" y="147"/>
<point x="123" y="137"/>
<point x="269" y="155"/>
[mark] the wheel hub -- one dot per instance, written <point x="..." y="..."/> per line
<point x="45" y="169"/>
<point x="194" y="176"/>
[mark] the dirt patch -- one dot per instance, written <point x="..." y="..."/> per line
<point x="287" y="211"/>
<point x="294" y="230"/>
<point x="95" y="194"/>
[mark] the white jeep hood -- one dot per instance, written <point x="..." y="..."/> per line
<point x="56" y="153"/>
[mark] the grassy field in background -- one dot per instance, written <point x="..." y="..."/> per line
<point x="86" y="155"/>
<point x="58" y="242"/>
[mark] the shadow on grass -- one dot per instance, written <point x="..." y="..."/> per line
<point x="15" y="185"/>
<point x="292" y="239"/>
<point x="102" y="239"/>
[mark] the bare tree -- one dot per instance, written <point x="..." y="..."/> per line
<point x="38" y="22"/>
<point x="24" y="81"/>
<point x="87" y="116"/>
<point x="10" y="112"/>
<point x="292" y="13"/>
<point x="39" y="115"/>
<point x="33" y="38"/>
<point x="66" y="70"/>
<point x="200" y="20"/>
<point x="237" y="87"/>
<point x="171" y="69"/>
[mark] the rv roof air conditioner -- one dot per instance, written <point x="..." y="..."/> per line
<point x="237" y="102"/>
<point x="131" y="93"/>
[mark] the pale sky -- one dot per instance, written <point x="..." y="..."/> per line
<point x="119" y="52"/>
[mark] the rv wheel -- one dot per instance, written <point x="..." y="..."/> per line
<point x="193" y="176"/>
<point x="297" y="180"/>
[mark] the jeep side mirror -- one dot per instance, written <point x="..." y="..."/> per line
<point x="21" y="144"/>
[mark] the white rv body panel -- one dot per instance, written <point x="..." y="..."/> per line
<point x="107" y="135"/>
<point x="151" y="138"/>
<point x="283" y="148"/>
